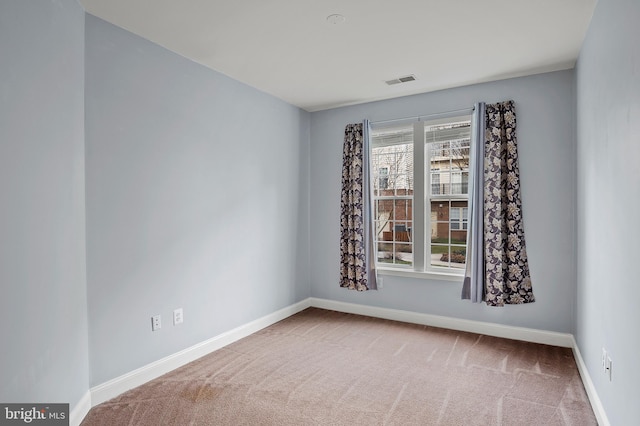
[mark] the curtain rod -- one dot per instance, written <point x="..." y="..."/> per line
<point x="427" y="116"/>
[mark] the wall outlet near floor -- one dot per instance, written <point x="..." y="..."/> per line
<point x="606" y="363"/>
<point x="177" y="316"/>
<point x="156" y="323"/>
<point x="608" y="367"/>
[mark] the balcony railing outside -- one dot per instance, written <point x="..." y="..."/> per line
<point x="443" y="188"/>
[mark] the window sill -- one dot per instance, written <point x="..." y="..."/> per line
<point x="427" y="275"/>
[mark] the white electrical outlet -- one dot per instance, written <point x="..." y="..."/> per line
<point x="177" y="316"/>
<point x="608" y="367"/>
<point x="156" y="323"/>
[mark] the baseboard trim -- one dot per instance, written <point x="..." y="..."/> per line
<point x="139" y="376"/>
<point x="490" y="329"/>
<point x="594" y="399"/>
<point x="80" y="410"/>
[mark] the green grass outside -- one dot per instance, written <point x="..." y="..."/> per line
<point x="440" y="249"/>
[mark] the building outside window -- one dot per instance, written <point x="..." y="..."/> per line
<point x="384" y="177"/>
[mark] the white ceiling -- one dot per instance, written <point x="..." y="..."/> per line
<point x="288" y="48"/>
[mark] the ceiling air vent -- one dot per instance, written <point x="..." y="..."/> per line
<point x="405" y="79"/>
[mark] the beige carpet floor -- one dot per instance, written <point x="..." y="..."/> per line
<point x="322" y="367"/>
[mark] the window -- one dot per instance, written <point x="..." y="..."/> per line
<point x="435" y="182"/>
<point x="392" y="158"/>
<point x="421" y="175"/>
<point x="384" y="177"/>
<point x="458" y="218"/>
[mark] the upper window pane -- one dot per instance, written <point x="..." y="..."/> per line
<point x="448" y="156"/>
<point x="392" y="161"/>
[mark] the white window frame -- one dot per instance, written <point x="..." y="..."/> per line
<point x="422" y="211"/>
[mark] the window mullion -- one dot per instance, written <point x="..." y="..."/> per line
<point x="419" y="196"/>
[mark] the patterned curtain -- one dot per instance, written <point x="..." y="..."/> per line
<point x="357" y="268"/>
<point x="507" y="279"/>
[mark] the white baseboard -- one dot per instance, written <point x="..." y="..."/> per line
<point x="596" y="404"/>
<point x="80" y="410"/>
<point x="137" y="377"/>
<point x="490" y="329"/>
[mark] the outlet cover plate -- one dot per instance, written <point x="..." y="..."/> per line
<point x="156" y="323"/>
<point x="177" y="316"/>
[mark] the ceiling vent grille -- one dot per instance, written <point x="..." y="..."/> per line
<point x="405" y="79"/>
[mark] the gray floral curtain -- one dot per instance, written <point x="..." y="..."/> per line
<point x="506" y="278"/>
<point x="357" y="268"/>
<point x="506" y="265"/>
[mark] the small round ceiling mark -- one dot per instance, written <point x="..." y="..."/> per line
<point x="336" y="19"/>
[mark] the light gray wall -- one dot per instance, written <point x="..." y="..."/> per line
<point x="197" y="197"/>
<point x="544" y="104"/>
<point x="43" y="310"/>
<point x="608" y="147"/>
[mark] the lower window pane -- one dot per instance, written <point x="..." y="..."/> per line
<point x="448" y="256"/>
<point x="404" y="254"/>
<point x="439" y="255"/>
<point x="395" y="253"/>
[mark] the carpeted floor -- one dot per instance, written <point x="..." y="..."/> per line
<point x="322" y="367"/>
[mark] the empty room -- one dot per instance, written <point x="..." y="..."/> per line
<point x="294" y="212"/>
